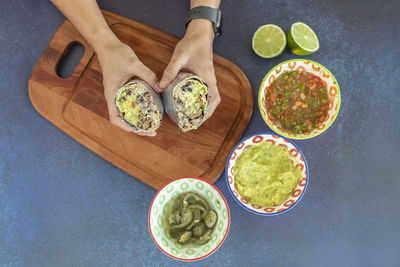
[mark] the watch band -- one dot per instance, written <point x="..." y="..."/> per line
<point x="205" y="12"/>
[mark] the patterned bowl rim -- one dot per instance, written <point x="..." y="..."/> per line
<point x="227" y="227"/>
<point x="252" y="210"/>
<point x="281" y="132"/>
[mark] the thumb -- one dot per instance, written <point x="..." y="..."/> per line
<point x="171" y="71"/>
<point x="148" y="76"/>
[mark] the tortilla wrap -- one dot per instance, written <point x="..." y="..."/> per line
<point x="139" y="106"/>
<point x="186" y="101"/>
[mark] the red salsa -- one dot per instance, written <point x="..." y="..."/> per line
<point x="297" y="101"/>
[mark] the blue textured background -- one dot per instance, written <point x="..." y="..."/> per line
<point x="62" y="205"/>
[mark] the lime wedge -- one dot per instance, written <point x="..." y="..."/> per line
<point x="302" y="40"/>
<point x="269" y="41"/>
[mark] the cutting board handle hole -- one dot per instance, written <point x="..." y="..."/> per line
<point x="70" y="59"/>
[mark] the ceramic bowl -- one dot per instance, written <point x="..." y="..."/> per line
<point x="298" y="160"/>
<point x="159" y="208"/>
<point x="301" y="65"/>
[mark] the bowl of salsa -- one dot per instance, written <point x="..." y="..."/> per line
<point x="299" y="99"/>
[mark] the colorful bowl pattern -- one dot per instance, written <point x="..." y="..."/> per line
<point x="302" y="65"/>
<point x="159" y="208"/>
<point x="298" y="160"/>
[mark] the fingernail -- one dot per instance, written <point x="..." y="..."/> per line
<point x="158" y="88"/>
<point x="163" y="82"/>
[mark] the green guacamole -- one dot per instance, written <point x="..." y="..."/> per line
<point x="265" y="174"/>
<point x="193" y="94"/>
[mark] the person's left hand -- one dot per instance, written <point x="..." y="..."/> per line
<point x="194" y="53"/>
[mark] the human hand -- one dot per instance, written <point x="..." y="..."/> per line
<point x="194" y="52"/>
<point x="119" y="64"/>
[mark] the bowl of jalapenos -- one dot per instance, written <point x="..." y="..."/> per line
<point x="189" y="219"/>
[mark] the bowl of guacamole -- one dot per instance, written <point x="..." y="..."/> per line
<point x="267" y="174"/>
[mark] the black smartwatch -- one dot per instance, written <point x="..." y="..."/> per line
<point x="206" y="12"/>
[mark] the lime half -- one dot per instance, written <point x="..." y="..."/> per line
<point x="302" y="40"/>
<point x="269" y="41"/>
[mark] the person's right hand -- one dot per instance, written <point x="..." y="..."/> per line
<point x="119" y="64"/>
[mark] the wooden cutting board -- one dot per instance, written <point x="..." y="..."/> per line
<point x="77" y="106"/>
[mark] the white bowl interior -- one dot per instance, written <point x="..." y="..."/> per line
<point x="159" y="210"/>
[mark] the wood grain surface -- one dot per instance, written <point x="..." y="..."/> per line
<point x="77" y="106"/>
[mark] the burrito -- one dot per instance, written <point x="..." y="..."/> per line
<point x="186" y="101"/>
<point x="139" y="106"/>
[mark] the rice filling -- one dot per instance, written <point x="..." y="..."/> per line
<point x="190" y="102"/>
